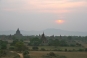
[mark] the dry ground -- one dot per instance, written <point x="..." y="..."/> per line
<point x="38" y="54"/>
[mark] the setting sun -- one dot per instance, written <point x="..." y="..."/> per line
<point x="59" y="21"/>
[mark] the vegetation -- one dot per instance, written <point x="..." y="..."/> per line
<point x="53" y="55"/>
<point x="48" y="46"/>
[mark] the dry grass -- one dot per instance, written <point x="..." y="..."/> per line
<point x="38" y="54"/>
<point x="53" y="48"/>
<point x="10" y="55"/>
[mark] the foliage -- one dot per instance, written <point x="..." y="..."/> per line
<point x="86" y="49"/>
<point x="25" y="52"/>
<point x="35" y="41"/>
<point x="53" y="55"/>
<point x="17" y="56"/>
<point x="43" y="49"/>
<point x="81" y="50"/>
<point x="14" y="42"/>
<point x="20" y="46"/>
<point x="2" y="53"/>
<point x="35" y="48"/>
<point x="3" y="45"/>
<point x="12" y="48"/>
<point x="26" y="56"/>
<point x="65" y="50"/>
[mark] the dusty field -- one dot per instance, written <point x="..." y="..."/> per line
<point x="38" y="54"/>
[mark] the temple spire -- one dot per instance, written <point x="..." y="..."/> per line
<point x="18" y="33"/>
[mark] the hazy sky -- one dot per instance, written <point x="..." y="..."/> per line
<point x="42" y="14"/>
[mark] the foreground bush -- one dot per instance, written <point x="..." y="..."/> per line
<point x="25" y="52"/>
<point x="51" y="54"/>
<point x="26" y="56"/>
<point x="3" y="53"/>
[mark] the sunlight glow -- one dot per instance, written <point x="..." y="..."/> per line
<point x="60" y="21"/>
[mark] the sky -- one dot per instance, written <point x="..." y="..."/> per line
<point x="29" y="15"/>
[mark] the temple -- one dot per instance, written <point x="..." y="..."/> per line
<point x="18" y="33"/>
<point x="44" y="40"/>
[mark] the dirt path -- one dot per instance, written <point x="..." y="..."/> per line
<point x="20" y="54"/>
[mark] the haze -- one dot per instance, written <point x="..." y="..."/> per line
<point x="41" y="14"/>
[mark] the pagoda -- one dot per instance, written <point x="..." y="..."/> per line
<point x="43" y="38"/>
<point x="18" y="33"/>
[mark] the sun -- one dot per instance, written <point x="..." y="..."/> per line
<point x="60" y="21"/>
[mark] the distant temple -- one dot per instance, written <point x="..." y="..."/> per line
<point x="18" y="33"/>
<point x="44" y="40"/>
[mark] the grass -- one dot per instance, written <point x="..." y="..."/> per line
<point x="39" y="54"/>
<point x="53" y="48"/>
<point x="10" y="55"/>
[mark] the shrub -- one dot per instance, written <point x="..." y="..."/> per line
<point x="86" y="49"/>
<point x="51" y="54"/>
<point x="17" y="56"/>
<point x="3" y="53"/>
<point x="35" y="48"/>
<point x="26" y="56"/>
<point x="74" y="50"/>
<point x="11" y="47"/>
<point x="81" y="50"/>
<point x="25" y="52"/>
<point x="42" y="49"/>
<point x="65" y="50"/>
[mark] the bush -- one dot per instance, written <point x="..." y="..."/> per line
<point x="81" y="50"/>
<point x="35" y="48"/>
<point x="3" y="53"/>
<point x="86" y="49"/>
<point x="17" y="56"/>
<point x="65" y="50"/>
<point x="25" y="52"/>
<point x="78" y="44"/>
<point x="42" y="49"/>
<point x="26" y="56"/>
<point x="74" y="50"/>
<point x="11" y="47"/>
<point x="51" y="54"/>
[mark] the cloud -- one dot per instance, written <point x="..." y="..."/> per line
<point x="48" y="6"/>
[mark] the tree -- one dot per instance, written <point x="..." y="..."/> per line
<point x="20" y="46"/>
<point x="69" y="37"/>
<point x="35" y="41"/>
